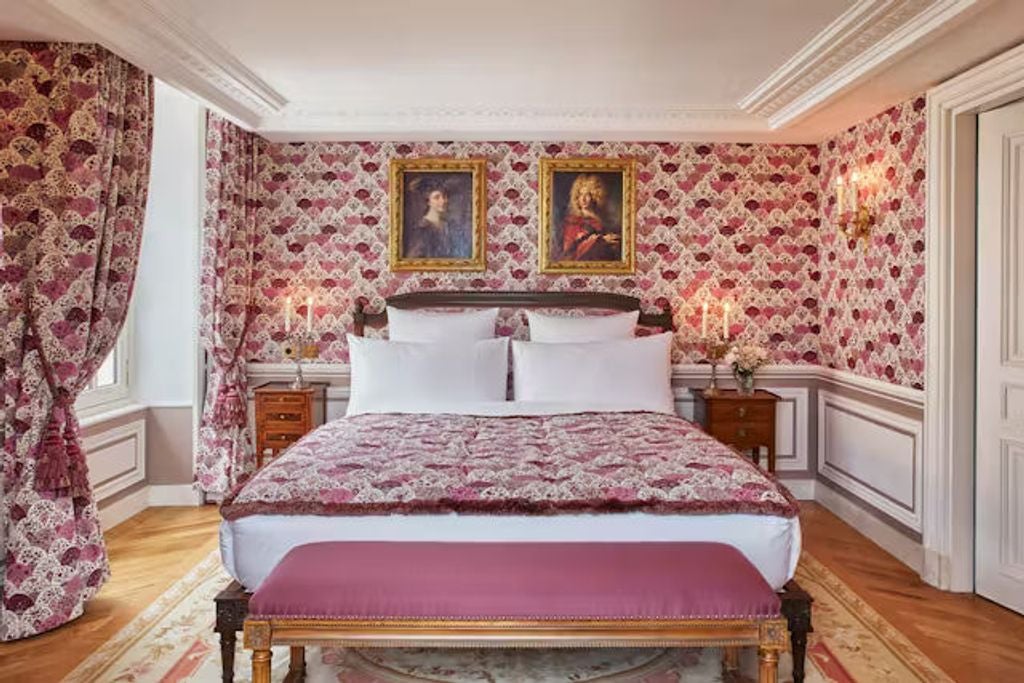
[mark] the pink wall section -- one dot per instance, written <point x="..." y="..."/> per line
<point x="751" y="223"/>
<point x="713" y="220"/>
<point x="872" y="303"/>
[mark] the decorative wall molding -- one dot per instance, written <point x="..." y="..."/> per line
<point x="158" y="37"/>
<point x="864" y="39"/>
<point x="304" y="123"/>
<point x="153" y="36"/>
<point x="116" y="458"/>
<point x="872" y="453"/>
<point x="950" y="312"/>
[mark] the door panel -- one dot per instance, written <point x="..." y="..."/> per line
<point x="1000" y="387"/>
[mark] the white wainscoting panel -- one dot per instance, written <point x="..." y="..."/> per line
<point x="116" y="458"/>
<point x="872" y="453"/>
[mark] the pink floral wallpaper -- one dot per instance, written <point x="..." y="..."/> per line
<point x="720" y="221"/>
<point x="872" y="302"/>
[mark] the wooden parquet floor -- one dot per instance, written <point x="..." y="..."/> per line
<point x="973" y="640"/>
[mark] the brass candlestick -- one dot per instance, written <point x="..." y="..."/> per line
<point x="715" y="349"/>
<point x="300" y="347"/>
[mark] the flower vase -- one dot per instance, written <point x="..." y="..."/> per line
<point x="744" y="382"/>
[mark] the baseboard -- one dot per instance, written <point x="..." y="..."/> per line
<point x="123" y="509"/>
<point x="802" y="489"/>
<point x="168" y="495"/>
<point x="905" y="549"/>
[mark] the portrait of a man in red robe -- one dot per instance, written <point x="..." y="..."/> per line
<point x="587" y="223"/>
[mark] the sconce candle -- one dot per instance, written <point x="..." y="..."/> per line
<point x="288" y="315"/>
<point x="840" y="196"/>
<point x="854" y="197"/>
<point x="309" y="314"/>
<point x="704" y="322"/>
<point x="725" y="321"/>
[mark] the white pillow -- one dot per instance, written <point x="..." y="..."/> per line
<point x="634" y="374"/>
<point x="434" y="326"/>
<point x="592" y="328"/>
<point x="390" y="376"/>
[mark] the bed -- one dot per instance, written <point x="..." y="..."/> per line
<point x="505" y="472"/>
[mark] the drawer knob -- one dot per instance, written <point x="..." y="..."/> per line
<point x="741" y="432"/>
<point x="742" y="412"/>
<point x="287" y="416"/>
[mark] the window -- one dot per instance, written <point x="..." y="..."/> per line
<point x="108" y="388"/>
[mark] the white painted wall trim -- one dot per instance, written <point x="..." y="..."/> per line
<point x="905" y="549"/>
<point x="170" y="495"/>
<point x="948" y="522"/>
<point x="124" y="509"/>
<point x="802" y="489"/>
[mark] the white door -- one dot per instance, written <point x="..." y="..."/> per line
<point x="999" y="548"/>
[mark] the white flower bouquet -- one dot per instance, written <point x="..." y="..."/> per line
<point x="745" y="359"/>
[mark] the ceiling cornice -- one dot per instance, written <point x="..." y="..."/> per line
<point x="869" y="36"/>
<point x="150" y="35"/>
<point x="863" y="40"/>
<point x="523" y="123"/>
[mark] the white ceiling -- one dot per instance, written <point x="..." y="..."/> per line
<point x="787" y="70"/>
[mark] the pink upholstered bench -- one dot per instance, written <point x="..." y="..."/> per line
<point x="514" y="594"/>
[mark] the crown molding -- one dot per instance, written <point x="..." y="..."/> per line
<point x="151" y="35"/>
<point x="863" y="40"/>
<point x="313" y="123"/>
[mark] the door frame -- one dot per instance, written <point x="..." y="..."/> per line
<point x="950" y="248"/>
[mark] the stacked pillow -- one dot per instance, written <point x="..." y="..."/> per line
<point x="436" y="359"/>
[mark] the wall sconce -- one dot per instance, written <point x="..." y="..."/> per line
<point x="853" y="220"/>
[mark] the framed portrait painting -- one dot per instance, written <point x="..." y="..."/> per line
<point x="587" y="211"/>
<point x="438" y="214"/>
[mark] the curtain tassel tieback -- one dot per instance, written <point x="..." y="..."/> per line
<point x="60" y="465"/>
<point x="229" y="409"/>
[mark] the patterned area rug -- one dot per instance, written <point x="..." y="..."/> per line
<point x="173" y="641"/>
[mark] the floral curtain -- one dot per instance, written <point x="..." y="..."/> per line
<point x="225" y="453"/>
<point x="75" y="143"/>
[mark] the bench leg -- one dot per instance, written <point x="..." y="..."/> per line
<point x="768" y="665"/>
<point x="296" y="664"/>
<point x="261" y="665"/>
<point x="730" y="662"/>
<point x="227" y="656"/>
<point x="796" y="607"/>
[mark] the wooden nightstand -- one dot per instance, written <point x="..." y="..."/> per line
<point x="744" y="422"/>
<point x="284" y="415"/>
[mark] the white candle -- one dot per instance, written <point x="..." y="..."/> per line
<point x="840" y="195"/>
<point x="725" y="321"/>
<point x="288" y="315"/>
<point x="704" y="322"/>
<point x="854" y="179"/>
<point x="309" y="314"/>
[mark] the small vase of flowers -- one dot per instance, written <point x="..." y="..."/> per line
<point x="745" y="360"/>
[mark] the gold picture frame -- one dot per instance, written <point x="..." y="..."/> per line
<point x="596" y="239"/>
<point x="438" y="214"/>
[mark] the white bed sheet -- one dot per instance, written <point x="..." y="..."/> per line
<point x="251" y="546"/>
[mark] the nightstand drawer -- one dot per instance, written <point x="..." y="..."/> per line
<point x="276" y="427"/>
<point x="270" y="400"/>
<point x="742" y="434"/>
<point x="743" y="411"/>
<point x="286" y="414"/>
<point x="279" y="439"/>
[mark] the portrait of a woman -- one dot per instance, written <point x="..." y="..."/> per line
<point x="438" y="209"/>
<point x="438" y="233"/>
<point x="586" y="215"/>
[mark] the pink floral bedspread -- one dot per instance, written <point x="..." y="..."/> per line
<point x="578" y="463"/>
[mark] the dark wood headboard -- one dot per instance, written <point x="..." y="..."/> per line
<point x="499" y="299"/>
